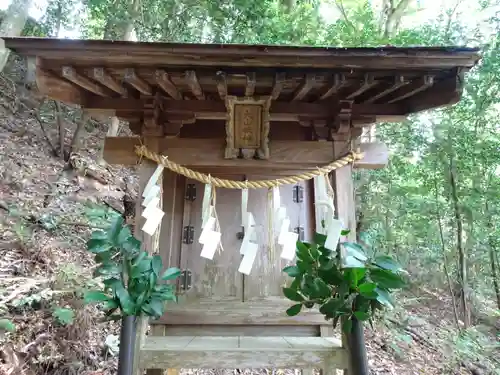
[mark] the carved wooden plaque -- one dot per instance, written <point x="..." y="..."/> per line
<point x="247" y="127"/>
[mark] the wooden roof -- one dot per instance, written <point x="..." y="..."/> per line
<point x="307" y="84"/>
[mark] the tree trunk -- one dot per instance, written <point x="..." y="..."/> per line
<point x="462" y="259"/>
<point x="13" y="24"/>
<point x="492" y="254"/>
<point x="128" y="34"/>
<point x="112" y="132"/>
<point x="445" y="260"/>
<point x="80" y="126"/>
<point x="57" y="26"/>
<point x="60" y="127"/>
<point x="394" y="14"/>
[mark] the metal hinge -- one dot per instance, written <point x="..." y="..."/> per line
<point x="240" y="235"/>
<point x="188" y="235"/>
<point x="185" y="280"/>
<point x="190" y="192"/>
<point x="300" y="232"/>
<point x="298" y="194"/>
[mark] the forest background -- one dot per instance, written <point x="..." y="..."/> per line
<point x="435" y="207"/>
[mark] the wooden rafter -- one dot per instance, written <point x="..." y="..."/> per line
<point x="251" y="82"/>
<point x="305" y="87"/>
<point x="104" y="78"/>
<point x="300" y="109"/>
<point x="194" y="85"/>
<point x="444" y="92"/>
<point x="58" y="88"/>
<point x="220" y="78"/>
<point x="71" y="74"/>
<point x="368" y="83"/>
<point x="339" y="81"/>
<point x="137" y="82"/>
<point x="163" y="80"/>
<point x="399" y="81"/>
<point x="416" y="86"/>
<point x="279" y="82"/>
<point x="93" y="74"/>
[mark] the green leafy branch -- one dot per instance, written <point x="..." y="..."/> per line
<point x="131" y="277"/>
<point x="353" y="285"/>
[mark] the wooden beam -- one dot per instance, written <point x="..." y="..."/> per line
<point x="163" y="80"/>
<point x="339" y="81"/>
<point x="305" y="87"/>
<point x="137" y="82"/>
<point x="264" y="312"/>
<point x="445" y="92"/>
<point x="70" y="74"/>
<point x="399" y="81"/>
<point x="367" y="84"/>
<point x="217" y="55"/>
<point x="416" y="86"/>
<point x="208" y="155"/>
<point x="57" y="88"/>
<point x="194" y="85"/>
<point x="242" y="351"/>
<point x="251" y="82"/>
<point x="105" y="79"/>
<point x="304" y="110"/>
<point x="279" y="83"/>
<point x="220" y="78"/>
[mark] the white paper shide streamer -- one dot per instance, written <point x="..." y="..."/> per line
<point x="286" y="239"/>
<point x="325" y="209"/>
<point x="151" y="194"/>
<point x="210" y="237"/>
<point x="249" y="247"/>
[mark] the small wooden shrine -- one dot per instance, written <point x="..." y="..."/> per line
<point x="242" y="113"/>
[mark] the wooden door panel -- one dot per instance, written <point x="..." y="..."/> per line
<point x="267" y="278"/>
<point x="171" y="225"/>
<point x="218" y="277"/>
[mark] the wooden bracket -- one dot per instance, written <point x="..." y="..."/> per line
<point x="247" y="127"/>
<point x="342" y="131"/>
<point x="152" y="126"/>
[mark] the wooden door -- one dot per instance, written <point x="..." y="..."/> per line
<point x="267" y="279"/>
<point x="218" y="278"/>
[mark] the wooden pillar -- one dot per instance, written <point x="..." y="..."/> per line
<point x="150" y="244"/>
<point x="345" y="209"/>
<point x="343" y="187"/>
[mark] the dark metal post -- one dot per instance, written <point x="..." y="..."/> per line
<point x="357" y="349"/>
<point x="127" y="341"/>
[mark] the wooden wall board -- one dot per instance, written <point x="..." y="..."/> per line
<point x="267" y="278"/>
<point x="218" y="277"/>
